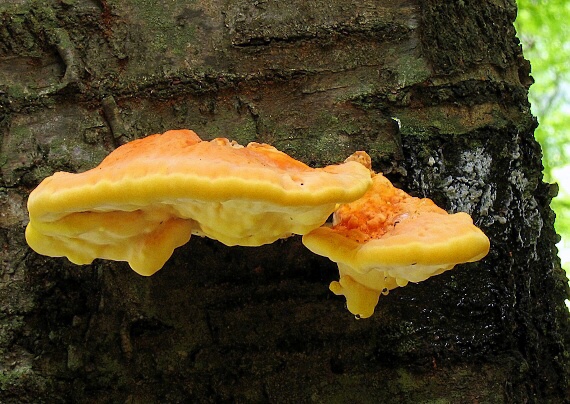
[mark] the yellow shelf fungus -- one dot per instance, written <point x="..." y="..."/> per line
<point x="388" y="238"/>
<point x="148" y="196"/>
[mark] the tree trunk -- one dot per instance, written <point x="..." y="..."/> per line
<point x="437" y="95"/>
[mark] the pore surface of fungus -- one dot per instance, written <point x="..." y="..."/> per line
<point x="388" y="238"/>
<point x="148" y="196"/>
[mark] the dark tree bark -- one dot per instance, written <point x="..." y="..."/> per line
<point x="435" y="91"/>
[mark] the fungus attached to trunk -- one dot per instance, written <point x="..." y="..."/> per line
<point x="388" y="238"/>
<point x="148" y="196"/>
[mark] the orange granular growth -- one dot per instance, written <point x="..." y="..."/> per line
<point x="379" y="211"/>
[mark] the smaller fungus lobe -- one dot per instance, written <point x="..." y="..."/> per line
<point x="388" y="238"/>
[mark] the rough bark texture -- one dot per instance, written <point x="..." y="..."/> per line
<point x="435" y="91"/>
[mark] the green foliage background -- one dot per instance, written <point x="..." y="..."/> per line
<point x="543" y="27"/>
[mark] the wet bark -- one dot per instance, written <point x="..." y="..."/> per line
<point x="436" y="92"/>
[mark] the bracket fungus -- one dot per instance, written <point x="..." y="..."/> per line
<point x="148" y="196"/>
<point x="388" y="238"/>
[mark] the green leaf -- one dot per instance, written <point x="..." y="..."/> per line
<point x="543" y="27"/>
